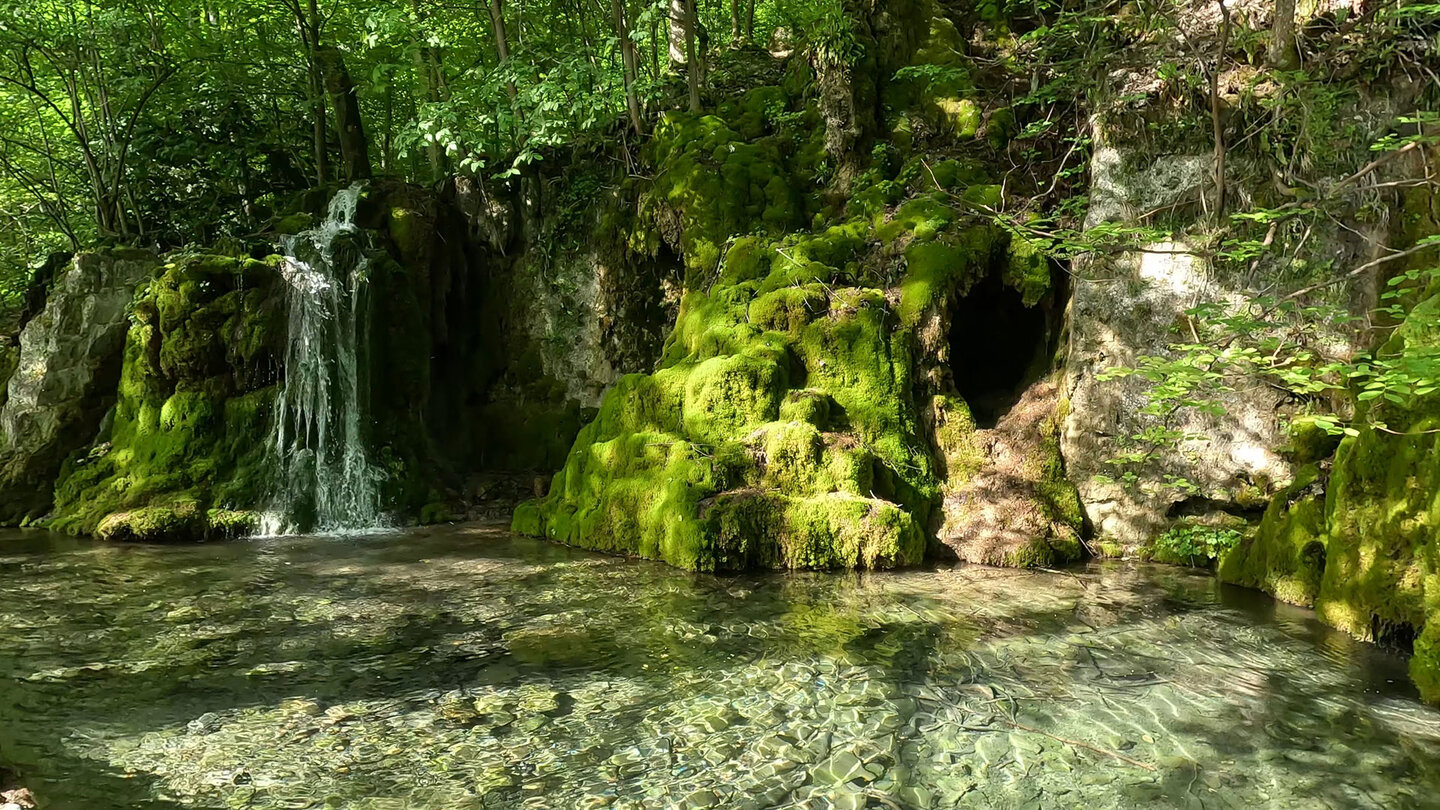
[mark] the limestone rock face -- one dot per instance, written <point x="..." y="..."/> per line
<point x="1132" y="306"/>
<point x="1015" y="509"/>
<point x="65" y="381"/>
<point x="1138" y="472"/>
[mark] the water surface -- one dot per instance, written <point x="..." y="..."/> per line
<point x="465" y="668"/>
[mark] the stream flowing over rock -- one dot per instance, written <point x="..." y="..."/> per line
<point x="324" y="479"/>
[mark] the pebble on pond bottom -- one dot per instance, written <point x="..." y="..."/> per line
<point x="464" y="668"/>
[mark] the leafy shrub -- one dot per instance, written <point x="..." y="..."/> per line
<point x="1195" y="544"/>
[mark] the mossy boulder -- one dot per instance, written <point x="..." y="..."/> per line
<point x="183" y="457"/>
<point x="1367" y="552"/>
<point x="780" y="428"/>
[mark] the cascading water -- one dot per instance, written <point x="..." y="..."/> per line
<point x="324" y="479"/>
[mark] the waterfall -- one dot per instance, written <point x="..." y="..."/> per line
<point x="324" y="480"/>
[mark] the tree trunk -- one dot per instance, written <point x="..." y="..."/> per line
<point x="734" y="21"/>
<point x="628" y="59"/>
<point x="702" y="43"/>
<point x="502" y="44"/>
<point x="310" y="35"/>
<point x="692" y="67"/>
<point x="679" y="15"/>
<point x="1283" y="55"/>
<point x="848" y="98"/>
<point x="354" y="146"/>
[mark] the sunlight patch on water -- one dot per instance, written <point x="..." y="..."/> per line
<point x="465" y="668"/>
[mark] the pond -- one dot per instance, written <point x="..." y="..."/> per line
<point x="466" y="668"/>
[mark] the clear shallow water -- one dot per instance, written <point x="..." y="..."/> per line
<point x="464" y="668"/>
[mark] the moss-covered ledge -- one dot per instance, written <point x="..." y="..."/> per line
<point x="1366" y="552"/>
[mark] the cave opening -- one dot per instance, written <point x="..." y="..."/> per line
<point x="998" y="347"/>
<point x="1393" y="634"/>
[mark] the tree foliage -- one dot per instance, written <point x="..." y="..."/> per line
<point x="183" y="121"/>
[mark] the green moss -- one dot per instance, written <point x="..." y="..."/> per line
<point x="1059" y="498"/>
<point x="951" y="173"/>
<point x="1383" y="521"/>
<point x="1309" y="441"/>
<point x="806" y="405"/>
<point x="230" y="524"/>
<point x="985" y="196"/>
<point x="790" y="308"/>
<point x="292" y="224"/>
<point x="1286" y="555"/>
<point x="411" y="233"/>
<point x="185" y="456"/>
<point x="729" y="396"/>
<point x="923" y="217"/>
<point x="154" y="524"/>
<point x="1373" y="545"/>
<point x="722" y="179"/>
<point x="1027" y="270"/>
<point x="709" y="422"/>
<point x="959" y="117"/>
<point x="953" y="432"/>
<point x="1110" y="549"/>
<point x="435" y="512"/>
<point x="755" y="530"/>
<point x="937" y="270"/>
<point x="1001" y="127"/>
<point x="792" y="452"/>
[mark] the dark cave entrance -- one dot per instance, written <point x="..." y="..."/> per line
<point x="998" y="347"/>
<point x="1396" y="636"/>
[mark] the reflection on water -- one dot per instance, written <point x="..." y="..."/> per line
<point x="465" y="668"/>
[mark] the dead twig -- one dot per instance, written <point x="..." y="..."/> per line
<point x="1357" y="271"/>
<point x="1078" y="744"/>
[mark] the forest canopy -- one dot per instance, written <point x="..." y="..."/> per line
<point x="182" y="122"/>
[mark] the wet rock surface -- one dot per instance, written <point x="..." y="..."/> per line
<point x="464" y="668"/>
<point x="64" y="380"/>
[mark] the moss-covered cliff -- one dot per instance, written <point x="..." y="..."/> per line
<point x="182" y="455"/>
<point x="791" y="422"/>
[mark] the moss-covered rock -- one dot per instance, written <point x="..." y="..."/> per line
<point x="780" y="429"/>
<point x="1368" y="552"/>
<point x="184" y="455"/>
<point x="1006" y="498"/>
<point x="1286" y="555"/>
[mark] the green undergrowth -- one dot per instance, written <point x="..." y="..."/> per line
<point x="779" y="429"/>
<point x="182" y="455"/>
<point x="1198" y="545"/>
